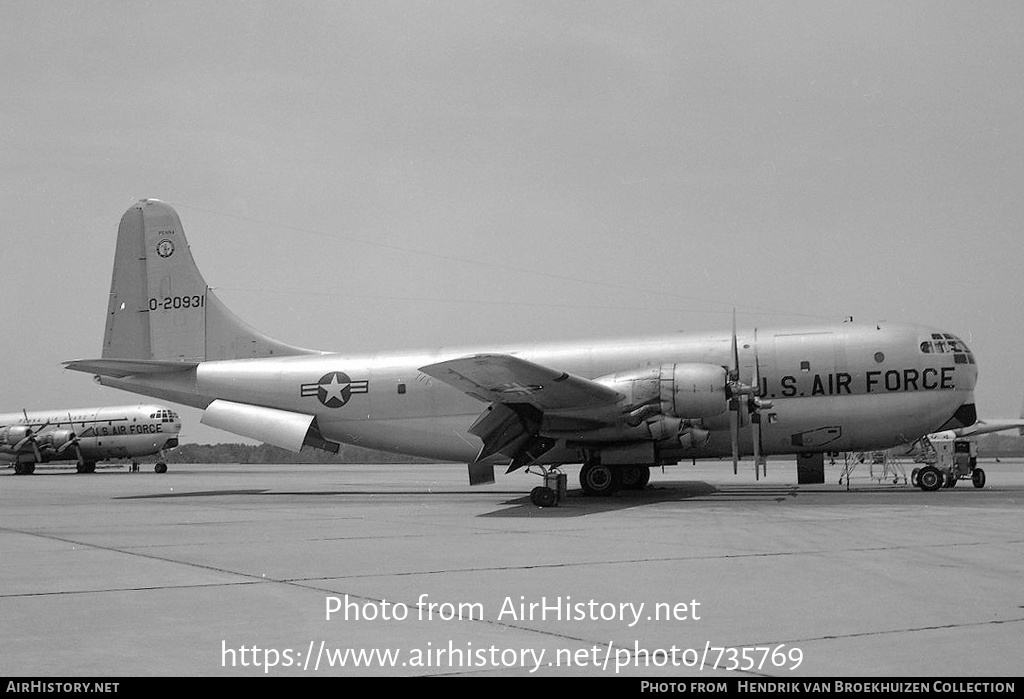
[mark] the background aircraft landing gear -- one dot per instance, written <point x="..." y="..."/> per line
<point x="160" y="467"/>
<point x="601" y="480"/>
<point x="24" y="468"/>
<point x="86" y="467"/>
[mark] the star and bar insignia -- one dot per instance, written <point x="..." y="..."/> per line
<point x="334" y="389"/>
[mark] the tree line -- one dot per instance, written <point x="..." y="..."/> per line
<point x="267" y="454"/>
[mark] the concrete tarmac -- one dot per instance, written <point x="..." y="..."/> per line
<point x="213" y="570"/>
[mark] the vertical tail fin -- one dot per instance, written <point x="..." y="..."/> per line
<point x="161" y="307"/>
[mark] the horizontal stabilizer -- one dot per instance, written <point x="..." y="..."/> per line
<point x="502" y="378"/>
<point x="118" y="368"/>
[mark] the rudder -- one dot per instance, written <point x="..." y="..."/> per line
<point x="160" y="306"/>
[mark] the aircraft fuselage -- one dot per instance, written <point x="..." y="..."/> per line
<point x="836" y="388"/>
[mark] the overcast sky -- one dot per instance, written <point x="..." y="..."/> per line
<point x="363" y="176"/>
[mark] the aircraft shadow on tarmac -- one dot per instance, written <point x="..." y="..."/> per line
<point x="575" y="504"/>
<point x="517" y="504"/>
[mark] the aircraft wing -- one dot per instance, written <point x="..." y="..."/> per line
<point x="989" y="426"/>
<point x="503" y="378"/>
<point x="519" y="393"/>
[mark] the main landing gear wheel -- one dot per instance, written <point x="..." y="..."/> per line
<point x="597" y="479"/>
<point x="978" y="478"/>
<point x="929" y="478"/>
<point x="86" y="467"/>
<point x="160" y="467"/>
<point x="24" y="469"/>
<point x="542" y="496"/>
<point x="635" y="477"/>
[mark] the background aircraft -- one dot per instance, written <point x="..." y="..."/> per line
<point x="981" y="427"/>
<point x="951" y="455"/>
<point x="616" y="406"/>
<point x="87" y="435"/>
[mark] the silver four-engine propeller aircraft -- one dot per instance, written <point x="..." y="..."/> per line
<point x="618" y="407"/>
<point x="87" y="435"/>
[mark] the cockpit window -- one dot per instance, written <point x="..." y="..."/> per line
<point x="943" y="343"/>
<point x="164" y="416"/>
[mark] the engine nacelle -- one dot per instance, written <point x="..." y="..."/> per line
<point x="55" y="439"/>
<point x="675" y="390"/>
<point x="15" y="434"/>
<point x="693" y="390"/>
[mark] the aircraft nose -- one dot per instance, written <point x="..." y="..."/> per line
<point x="951" y="347"/>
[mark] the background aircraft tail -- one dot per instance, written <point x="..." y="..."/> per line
<point x="161" y="307"/>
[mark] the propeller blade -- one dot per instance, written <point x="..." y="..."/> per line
<point x="73" y="441"/>
<point x="755" y="415"/>
<point x="735" y="404"/>
<point x="755" y="433"/>
<point x="734" y="369"/>
<point x="734" y="435"/>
